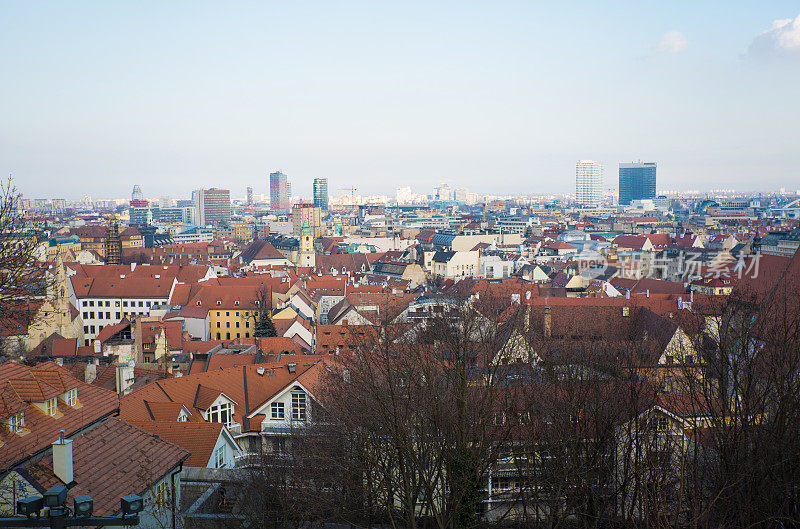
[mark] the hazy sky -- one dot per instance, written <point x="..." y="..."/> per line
<point x="497" y="96"/>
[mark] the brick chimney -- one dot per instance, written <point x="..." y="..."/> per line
<point x="62" y="459"/>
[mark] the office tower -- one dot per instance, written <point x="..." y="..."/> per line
<point x="249" y="195"/>
<point x="213" y="206"/>
<point x="279" y="192"/>
<point x="137" y="193"/>
<point x="636" y="181"/>
<point x="461" y="195"/>
<point x="321" y="193"/>
<point x="308" y="215"/>
<point x="140" y="216"/>
<point x="589" y="184"/>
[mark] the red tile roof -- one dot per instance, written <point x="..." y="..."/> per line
<point x="20" y="385"/>
<point x="198" y="438"/>
<point x="231" y="382"/>
<point x="111" y="460"/>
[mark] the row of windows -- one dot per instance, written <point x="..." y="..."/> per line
<point x="228" y="335"/>
<point x="117" y="315"/>
<point x="227" y="313"/>
<point x="235" y="303"/>
<point x="228" y="324"/>
<point x="116" y="303"/>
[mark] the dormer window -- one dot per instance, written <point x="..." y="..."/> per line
<point x="257" y="303"/>
<point x="198" y="302"/>
<point x="222" y="412"/>
<point x="16" y="423"/>
<point x="236" y="302"/>
<point x="51" y="406"/>
<point x="71" y="397"/>
<point x="219" y="303"/>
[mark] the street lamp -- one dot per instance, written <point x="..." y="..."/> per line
<point x="59" y="516"/>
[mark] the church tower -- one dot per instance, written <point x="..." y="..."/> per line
<point x="61" y="301"/>
<point x="306" y="256"/>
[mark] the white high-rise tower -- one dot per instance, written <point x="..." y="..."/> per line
<point x="589" y="184"/>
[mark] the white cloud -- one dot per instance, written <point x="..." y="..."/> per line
<point x="670" y="42"/>
<point x="781" y="39"/>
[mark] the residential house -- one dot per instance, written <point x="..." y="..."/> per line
<point x="241" y="398"/>
<point x="455" y="264"/>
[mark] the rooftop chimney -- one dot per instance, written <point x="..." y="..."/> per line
<point x="62" y="459"/>
<point x="90" y="373"/>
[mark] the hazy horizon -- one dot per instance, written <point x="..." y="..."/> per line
<point x="502" y="98"/>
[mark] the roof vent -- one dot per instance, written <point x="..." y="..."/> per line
<point x="292" y="367"/>
<point x="260" y="371"/>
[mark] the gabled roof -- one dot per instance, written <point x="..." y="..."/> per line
<point x="109" y="331"/>
<point x="205" y="397"/>
<point x="55" y="345"/>
<point x="198" y="438"/>
<point x="353" y="262"/>
<point x="247" y="386"/>
<point x="636" y="242"/>
<point x="259" y="250"/>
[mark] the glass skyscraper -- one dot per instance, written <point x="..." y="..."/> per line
<point x="637" y="181"/>
<point x="321" y="193"/>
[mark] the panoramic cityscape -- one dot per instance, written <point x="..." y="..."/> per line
<point x="408" y="267"/>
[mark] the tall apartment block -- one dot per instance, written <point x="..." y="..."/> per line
<point x="321" y="193"/>
<point x="279" y="192"/>
<point x="309" y="215"/>
<point x="637" y="181"/>
<point x="213" y="206"/>
<point x="589" y="184"/>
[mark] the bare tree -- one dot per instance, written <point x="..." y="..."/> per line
<point x="23" y="279"/>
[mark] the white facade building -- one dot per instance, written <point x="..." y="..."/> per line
<point x="589" y="184"/>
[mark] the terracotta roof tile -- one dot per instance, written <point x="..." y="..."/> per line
<point x="93" y="404"/>
<point x="198" y="438"/>
<point x="111" y="460"/>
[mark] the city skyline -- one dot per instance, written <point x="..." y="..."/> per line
<point x="182" y="96"/>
